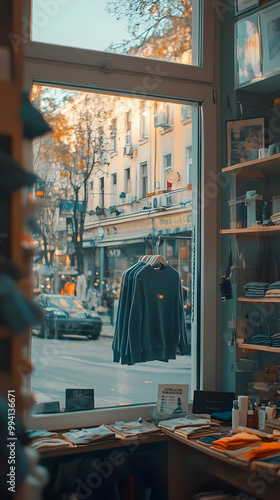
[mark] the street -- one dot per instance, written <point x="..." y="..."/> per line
<point x="87" y="364"/>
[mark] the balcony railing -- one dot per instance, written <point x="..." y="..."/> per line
<point x="159" y="202"/>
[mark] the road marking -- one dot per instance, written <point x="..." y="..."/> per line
<point x="120" y="367"/>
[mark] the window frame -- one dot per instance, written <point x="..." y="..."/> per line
<point x="84" y="70"/>
<point x="107" y="61"/>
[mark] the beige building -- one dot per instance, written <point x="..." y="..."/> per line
<point x="143" y="188"/>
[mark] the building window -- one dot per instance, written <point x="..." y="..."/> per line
<point x="114" y="193"/>
<point x="167" y="166"/>
<point x="91" y="197"/>
<point x="144" y="180"/>
<point x="127" y="132"/>
<point x="101" y="192"/>
<point x="113" y="136"/>
<point x="144" y="119"/>
<point x="127" y="184"/>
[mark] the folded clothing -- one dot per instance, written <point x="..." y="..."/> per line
<point x="238" y="440"/>
<point x="222" y="416"/>
<point x="255" y="289"/>
<point x="260" y="340"/>
<point x="265" y="450"/>
<point x="257" y="284"/>
<point x="274" y="286"/>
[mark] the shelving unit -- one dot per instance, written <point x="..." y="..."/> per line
<point x="263" y="166"/>
<point x="263" y="300"/>
<point x="263" y="348"/>
<point x="262" y="174"/>
<point x="252" y="231"/>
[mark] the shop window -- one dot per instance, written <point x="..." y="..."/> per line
<point x="164" y="30"/>
<point x="60" y="364"/>
<point x="117" y="242"/>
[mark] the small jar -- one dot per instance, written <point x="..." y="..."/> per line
<point x="251" y="417"/>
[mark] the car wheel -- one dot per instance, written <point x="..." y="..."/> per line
<point x="94" y="337"/>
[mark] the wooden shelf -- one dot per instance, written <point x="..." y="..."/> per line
<point x="268" y="300"/>
<point x="254" y="231"/>
<point x="265" y="166"/>
<point x="264" y="348"/>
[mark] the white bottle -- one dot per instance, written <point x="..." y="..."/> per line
<point x="261" y="418"/>
<point x="235" y="414"/>
<point x="243" y="410"/>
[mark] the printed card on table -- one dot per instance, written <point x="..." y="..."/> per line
<point x="172" y="399"/>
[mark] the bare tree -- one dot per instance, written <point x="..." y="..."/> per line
<point x="158" y="28"/>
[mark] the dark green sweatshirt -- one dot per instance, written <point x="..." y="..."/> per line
<point x="157" y="324"/>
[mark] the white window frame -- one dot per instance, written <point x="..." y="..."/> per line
<point x="166" y="168"/>
<point x="142" y="165"/>
<point x="153" y="69"/>
<point x="162" y="81"/>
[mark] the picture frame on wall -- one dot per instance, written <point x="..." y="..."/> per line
<point x="242" y="6"/>
<point x="244" y="139"/>
<point x="270" y="33"/>
<point x="248" y="65"/>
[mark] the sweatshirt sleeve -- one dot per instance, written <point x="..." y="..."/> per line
<point x="135" y="320"/>
<point x="117" y="333"/>
<point x="183" y="341"/>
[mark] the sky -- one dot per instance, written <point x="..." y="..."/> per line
<point x="76" y="23"/>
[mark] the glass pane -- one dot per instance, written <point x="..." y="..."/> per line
<point x="104" y="206"/>
<point x="163" y="29"/>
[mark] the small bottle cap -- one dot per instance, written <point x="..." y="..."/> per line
<point x="235" y="404"/>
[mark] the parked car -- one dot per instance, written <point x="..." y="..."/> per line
<point x="64" y="314"/>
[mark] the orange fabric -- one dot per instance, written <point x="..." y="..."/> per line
<point x="236" y="441"/>
<point x="70" y="288"/>
<point x="265" y="450"/>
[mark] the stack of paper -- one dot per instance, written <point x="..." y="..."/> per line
<point x="86" y="436"/>
<point x="46" y="444"/>
<point x="176" y="423"/>
<point x="125" y="430"/>
<point x="196" y="432"/>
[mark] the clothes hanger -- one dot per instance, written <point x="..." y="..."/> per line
<point x="147" y="258"/>
<point x="158" y="259"/>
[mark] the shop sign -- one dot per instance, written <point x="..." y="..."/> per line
<point x="88" y="244"/>
<point x="66" y="208"/>
<point x="113" y="252"/>
<point x="175" y="221"/>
